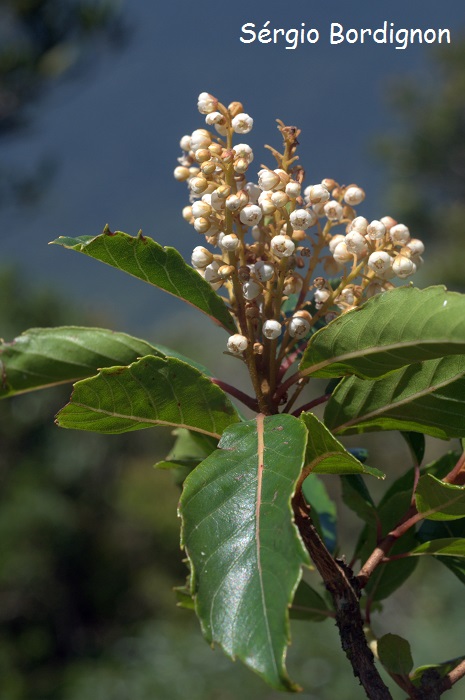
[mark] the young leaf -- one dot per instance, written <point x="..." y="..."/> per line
<point x="326" y="455"/>
<point x="324" y="513"/>
<point x="44" y="357"/>
<point x="163" y="267"/>
<point x="426" y="397"/>
<point x="437" y="500"/>
<point x="389" y="331"/>
<point x="395" y="654"/>
<point x="153" y="391"/>
<point x="244" y="549"/>
<point x="309" y="605"/>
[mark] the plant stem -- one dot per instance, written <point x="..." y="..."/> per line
<point x="247" y="400"/>
<point x="343" y="587"/>
<point x="311" y="404"/>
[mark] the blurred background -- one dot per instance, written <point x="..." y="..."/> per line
<point x="94" y="97"/>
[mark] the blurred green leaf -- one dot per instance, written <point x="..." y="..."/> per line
<point x="437" y="500"/>
<point x="395" y="654"/>
<point x="389" y="331"/>
<point x="357" y="497"/>
<point x="323" y="510"/>
<point x="239" y="535"/>
<point x="441" y="669"/>
<point x="152" y="391"/>
<point x="163" y="267"/>
<point x="417" y="445"/>
<point x="426" y="397"/>
<point x="446" y="547"/>
<point x="308" y="604"/>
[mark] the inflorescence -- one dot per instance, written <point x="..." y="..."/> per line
<point x="275" y="241"/>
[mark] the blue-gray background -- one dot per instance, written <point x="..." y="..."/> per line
<point x="114" y="129"/>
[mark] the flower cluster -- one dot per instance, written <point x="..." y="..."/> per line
<point x="273" y="241"/>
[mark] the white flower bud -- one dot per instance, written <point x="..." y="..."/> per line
<point x="198" y="185"/>
<point x="201" y="257"/>
<point x="279" y="199"/>
<point x="416" y="246"/>
<point x="201" y="208"/>
<point x="300" y="219"/>
<point x="251" y="290"/>
<point x="376" y="230"/>
<point x="293" y="189"/>
<point x="243" y="150"/>
<point x="242" y="123"/>
<point x="256" y="233"/>
<point x="399" y="234"/>
<point x="253" y="192"/>
<point x="388" y="221"/>
<point x="293" y="284"/>
<point x="338" y="238"/>
<point x="353" y="196"/>
<point x="359" y="224"/>
<point x="202" y="225"/>
<point x="237" y="344"/>
<point x="214" y="118"/>
<point x="193" y="171"/>
<point x="319" y="210"/>
<point x="222" y="129"/>
<point x="375" y="287"/>
<point x="181" y="173"/>
<point x="217" y="202"/>
<point x="233" y="202"/>
<point x="206" y="103"/>
<point x="341" y="254"/>
<point x="298" y="327"/>
<point x="265" y="203"/>
<point x="250" y="215"/>
<point x="230" y="242"/>
<point x="282" y="246"/>
<point x="185" y="143"/>
<point x="267" y="180"/>
<point x="283" y="178"/>
<point x="321" y="296"/>
<point x="187" y="213"/>
<point x="403" y="266"/>
<point x="241" y="165"/>
<point x="356" y="244"/>
<point x="333" y="210"/>
<point x="264" y="271"/>
<point x="211" y="272"/>
<point x="316" y="194"/>
<point x="200" y="138"/>
<point x="271" y="329"/>
<point x="380" y="262"/>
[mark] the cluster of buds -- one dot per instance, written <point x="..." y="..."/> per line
<point x="268" y="240"/>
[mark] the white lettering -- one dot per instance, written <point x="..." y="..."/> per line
<point x="264" y="33"/>
<point x="245" y="30"/>
<point x="336" y="33"/>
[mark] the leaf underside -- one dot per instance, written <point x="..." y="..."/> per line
<point x="244" y="550"/>
<point x="164" y="267"/>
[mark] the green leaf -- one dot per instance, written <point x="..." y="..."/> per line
<point x="441" y="670"/>
<point x="323" y="509"/>
<point x="244" y="550"/>
<point x="446" y="547"/>
<point x="152" y="391"/>
<point x="357" y="497"/>
<point x="309" y="605"/>
<point x="436" y="530"/>
<point x="417" y="445"/>
<point x="437" y="500"/>
<point x="163" y="267"/>
<point x="391" y="330"/>
<point x="426" y="397"/>
<point x="395" y="654"/>
<point x="44" y="357"/>
<point x="326" y="455"/>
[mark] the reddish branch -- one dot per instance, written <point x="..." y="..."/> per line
<point x="237" y="393"/>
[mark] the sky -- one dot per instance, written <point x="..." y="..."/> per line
<point x="114" y="131"/>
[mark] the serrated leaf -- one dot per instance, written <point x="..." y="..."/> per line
<point x="395" y="654"/>
<point x="44" y="357"/>
<point x="437" y="500"/>
<point x="323" y="509"/>
<point x="152" y="391"/>
<point x="164" y="267"/>
<point x="445" y="547"/>
<point x="426" y="397"/>
<point x="308" y="604"/>
<point x="442" y="669"/>
<point x="326" y="455"/>
<point x="389" y="331"/>
<point x="244" y="549"/>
